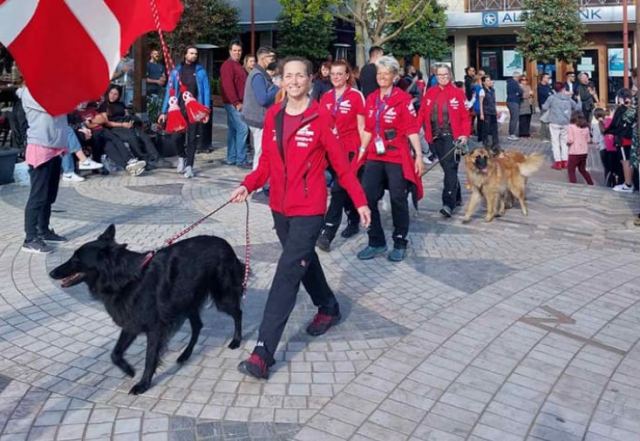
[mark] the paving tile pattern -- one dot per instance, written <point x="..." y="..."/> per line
<point x="520" y="329"/>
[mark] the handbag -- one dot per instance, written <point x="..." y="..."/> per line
<point x="544" y="117"/>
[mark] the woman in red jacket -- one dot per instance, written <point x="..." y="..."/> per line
<point x="345" y="105"/>
<point x="296" y="141"/>
<point x="391" y="129"/>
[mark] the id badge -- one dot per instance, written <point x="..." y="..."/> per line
<point x="379" y="143"/>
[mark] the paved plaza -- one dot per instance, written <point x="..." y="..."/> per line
<point x="526" y="328"/>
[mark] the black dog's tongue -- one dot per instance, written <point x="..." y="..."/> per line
<point x="70" y="280"/>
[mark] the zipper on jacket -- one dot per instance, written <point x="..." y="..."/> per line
<point x="304" y="179"/>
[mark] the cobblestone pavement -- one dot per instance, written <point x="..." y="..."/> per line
<point x="521" y="329"/>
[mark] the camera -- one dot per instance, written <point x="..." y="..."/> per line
<point x="390" y="134"/>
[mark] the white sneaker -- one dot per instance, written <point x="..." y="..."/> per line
<point x="512" y="138"/>
<point x="624" y="188"/>
<point x="181" y="166"/>
<point x="89" y="164"/>
<point x="72" y="177"/>
<point x="188" y="172"/>
<point x="135" y="167"/>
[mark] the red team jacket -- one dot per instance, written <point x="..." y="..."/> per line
<point x="458" y="114"/>
<point x="344" y="112"/>
<point x="295" y="166"/>
<point x="396" y="113"/>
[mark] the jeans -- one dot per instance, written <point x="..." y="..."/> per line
<point x="514" y="118"/>
<point x="45" y="180"/>
<point x="68" y="164"/>
<point x="297" y="264"/>
<point x="376" y="175"/>
<point x="236" y="136"/>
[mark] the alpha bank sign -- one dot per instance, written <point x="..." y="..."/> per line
<point x="499" y="19"/>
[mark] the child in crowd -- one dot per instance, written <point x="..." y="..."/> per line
<point x="578" y="141"/>
<point x="606" y="147"/>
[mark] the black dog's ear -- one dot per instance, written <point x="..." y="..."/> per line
<point x="109" y="234"/>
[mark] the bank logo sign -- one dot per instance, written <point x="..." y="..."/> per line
<point x="490" y="19"/>
<point x="495" y="19"/>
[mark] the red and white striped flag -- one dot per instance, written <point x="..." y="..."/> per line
<point x="67" y="50"/>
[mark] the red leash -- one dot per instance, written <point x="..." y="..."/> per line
<point x="247" y="246"/>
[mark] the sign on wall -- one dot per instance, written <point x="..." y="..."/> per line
<point x="615" y="61"/>
<point x="511" y="61"/>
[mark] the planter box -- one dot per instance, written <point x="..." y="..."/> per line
<point x="7" y="162"/>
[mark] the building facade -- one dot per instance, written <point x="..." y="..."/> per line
<point x="484" y="36"/>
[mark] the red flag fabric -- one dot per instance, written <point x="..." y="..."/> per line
<point x="67" y="50"/>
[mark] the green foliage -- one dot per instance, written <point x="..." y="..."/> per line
<point x="427" y="38"/>
<point x="552" y="30"/>
<point x="203" y="21"/>
<point x="305" y="29"/>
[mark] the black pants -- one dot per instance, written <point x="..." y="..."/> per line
<point x="45" y="181"/>
<point x="480" y="130"/>
<point x="113" y="147"/>
<point x="188" y="142"/>
<point x="140" y="144"/>
<point x="377" y="176"/>
<point x="451" y="195"/>
<point x="524" y="127"/>
<point x="298" y="263"/>
<point x="491" y="139"/>
<point x="340" y="200"/>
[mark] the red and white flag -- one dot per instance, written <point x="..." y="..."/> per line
<point x="67" y="50"/>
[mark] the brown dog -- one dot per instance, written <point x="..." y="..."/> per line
<point x="497" y="179"/>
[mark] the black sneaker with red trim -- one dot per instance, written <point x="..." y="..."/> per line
<point x="321" y="323"/>
<point x="254" y="366"/>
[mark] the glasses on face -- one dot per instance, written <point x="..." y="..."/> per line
<point x="444" y="75"/>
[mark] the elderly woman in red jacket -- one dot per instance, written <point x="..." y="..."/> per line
<point x="392" y="159"/>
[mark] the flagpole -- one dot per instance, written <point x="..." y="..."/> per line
<point x="253" y="28"/>
<point x="625" y="45"/>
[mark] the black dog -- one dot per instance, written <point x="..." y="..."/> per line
<point x="156" y="299"/>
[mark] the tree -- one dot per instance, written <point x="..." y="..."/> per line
<point x="203" y="21"/>
<point x="427" y="38"/>
<point x="380" y="21"/>
<point x="305" y="29"/>
<point x="552" y="30"/>
<point x="376" y="21"/>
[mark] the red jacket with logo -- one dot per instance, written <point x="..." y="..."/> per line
<point x="397" y="114"/>
<point x="458" y="115"/>
<point x="295" y="166"/>
<point x="345" y="111"/>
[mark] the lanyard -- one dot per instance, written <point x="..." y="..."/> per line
<point x="337" y="102"/>
<point x="380" y="106"/>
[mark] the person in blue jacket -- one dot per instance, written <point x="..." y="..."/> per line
<point x="194" y="77"/>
